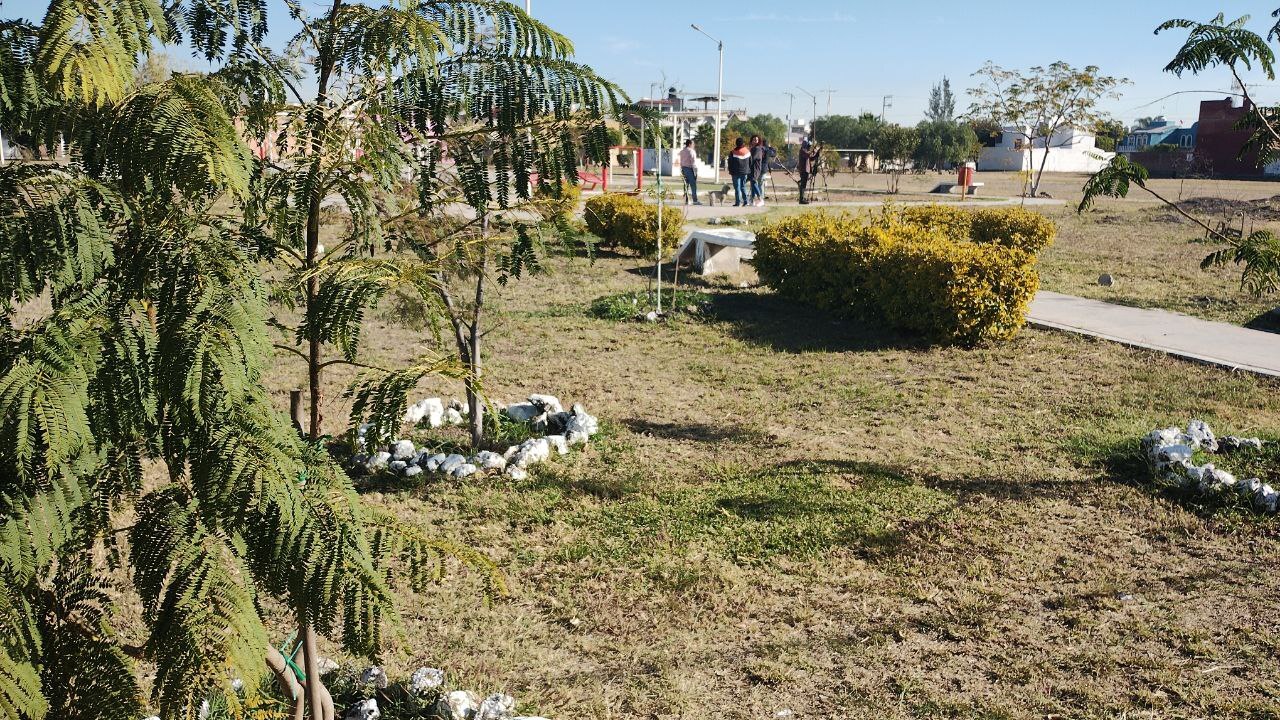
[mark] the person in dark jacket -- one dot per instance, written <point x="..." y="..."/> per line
<point x="804" y="166"/>
<point x="759" y="168"/>
<point x="740" y="170"/>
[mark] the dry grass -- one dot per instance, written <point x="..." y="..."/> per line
<point x="790" y="512"/>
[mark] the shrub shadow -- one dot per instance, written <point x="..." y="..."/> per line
<point x="764" y="318"/>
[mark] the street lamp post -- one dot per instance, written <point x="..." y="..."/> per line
<point x="719" y="99"/>
<point x="791" y="105"/>
<point x="813" y="119"/>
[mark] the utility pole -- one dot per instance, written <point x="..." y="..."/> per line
<point x="790" y="106"/>
<point x="885" y="102"/>
<point x="829" y="92"/>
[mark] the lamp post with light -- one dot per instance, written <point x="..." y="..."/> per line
<point x="719" y="98"/>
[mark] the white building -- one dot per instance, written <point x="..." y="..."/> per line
<point x="1070" y="150"/>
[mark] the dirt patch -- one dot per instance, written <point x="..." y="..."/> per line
<point x="1261" y="210"/>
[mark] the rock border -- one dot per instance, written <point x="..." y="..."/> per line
<point x="1170" y="455"/>
<point x="543" y="413"/>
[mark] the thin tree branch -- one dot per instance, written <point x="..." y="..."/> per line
<point x="288" y="348"/>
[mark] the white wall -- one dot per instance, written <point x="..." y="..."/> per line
<point x="1069" y="151"/>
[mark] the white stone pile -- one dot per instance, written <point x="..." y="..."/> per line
<point x="1171" y="454"/>
<point x="454" y="705"/>
<point x="544" y="413"/>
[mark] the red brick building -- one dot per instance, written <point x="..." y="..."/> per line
<point x="1218" y="141"/>
<point x="1211" y="147"/>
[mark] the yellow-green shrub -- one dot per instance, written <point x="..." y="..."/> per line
<point x="559" y="207"/>
<point x="629" y="222"/>
<point x="1008" y="226"/>
<point x="600" y="211"/>
<point x="915" y="268"/>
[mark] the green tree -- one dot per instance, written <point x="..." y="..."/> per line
<point x="151" y="250"/>
<point x="942" y="104"/>
<point x="987" y="130"/>
<point x="1041" y="102"/>
<point x="1109" y="133"/>
<point x="945" y="142"/>
<point x="844" y="131"/>
<point x="895" y="146"/>
<point x="1233" y="46"/>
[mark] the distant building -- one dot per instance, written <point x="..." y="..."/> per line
<point x="1069" y="150"/>
<point x="1157" y="132"/>
<point x="1211" y="147"/>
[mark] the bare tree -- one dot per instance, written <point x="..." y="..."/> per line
<point x="1042" y="102"/>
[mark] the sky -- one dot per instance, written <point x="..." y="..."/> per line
<point x="863" y="50"/>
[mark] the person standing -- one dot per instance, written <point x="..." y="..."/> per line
<point x="759" y="167"/>
<point x="739" y="170"/>
<point x="689" y="168"/>
<point x="804" y="166"/>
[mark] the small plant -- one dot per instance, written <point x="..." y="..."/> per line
<point x="627" y="306"/>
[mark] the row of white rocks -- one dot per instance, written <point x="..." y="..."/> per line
<point x="544" y="412"/>
<point x="455" y="705"/>
<point x="1170" y="452"/>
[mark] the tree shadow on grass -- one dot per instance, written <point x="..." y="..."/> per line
<point x="698" y="432"/>
<point x="788" y="326"/>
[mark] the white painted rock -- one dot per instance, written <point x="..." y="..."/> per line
<point x="433" y="462"/>
<point x="326" y="665"/>
<point x="532" y="452"/>
<point x="367" y="710"/>
<point x="453" y="417"/>
<point x="412" y="471"/>
<point x="429" y="409"/>
<point x="559" y="443"/>
<point x="522" y="412"/>
<point x="547" y="403"/>
<point x="464" y="470"/>
<point x="397" y="466"/>
<point x="451" y="463"/>
<point x="403" y="450"/>
<point x="496" y="707"/>
<point x="378" y="461"/>
<point x="458" y="705"/>
<point x="516" y="473"/>
<point x="425" y="678"/>
<point x="374" y="676"/>
<point x="1231" y="443"/>
<point x="1213" y="480"/>
<point x="489" y="460"/>
<point x="1266" y="498"/>
<point x="1201" y="436"/>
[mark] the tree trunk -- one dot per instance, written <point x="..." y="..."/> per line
<point x="476" y="367"/>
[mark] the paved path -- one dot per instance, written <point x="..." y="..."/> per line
<point x="1179" y="335"/>
<point x="703" y="212"/>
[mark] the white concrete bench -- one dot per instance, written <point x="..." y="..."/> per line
<point x="716" y="251"/>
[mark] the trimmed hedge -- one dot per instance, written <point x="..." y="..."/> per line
<point x="627" y="221"/>
<point x="951" y="275"/>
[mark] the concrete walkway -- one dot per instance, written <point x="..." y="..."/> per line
<point x="704" y="211"/>
<point x="1182" y="336"/>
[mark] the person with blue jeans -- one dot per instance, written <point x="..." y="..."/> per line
<point x="740" y="170"/>
<point x="689" y="168"/>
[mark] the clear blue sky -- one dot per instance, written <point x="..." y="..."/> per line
<point x="864" y="50"/>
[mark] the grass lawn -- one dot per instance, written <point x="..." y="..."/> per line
<point x="785" y="511"/>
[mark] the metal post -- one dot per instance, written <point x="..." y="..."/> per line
<point x="884" y="103"/>
<point x="813" y="119"/>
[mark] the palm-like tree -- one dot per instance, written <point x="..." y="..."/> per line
<point x="134" y="427"/>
